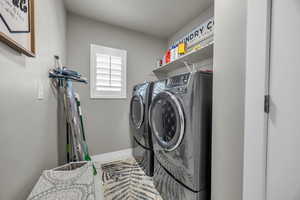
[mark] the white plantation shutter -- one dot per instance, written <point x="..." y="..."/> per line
<point x="108" y="72"/>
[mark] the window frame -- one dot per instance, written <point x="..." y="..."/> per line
<point x="99" y="49"/>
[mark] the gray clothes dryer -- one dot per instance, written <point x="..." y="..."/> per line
<point x="139" y="125"/>
<point x="180" y="118"/>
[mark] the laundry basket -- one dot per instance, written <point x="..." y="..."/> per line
<point x="73" y="181"/>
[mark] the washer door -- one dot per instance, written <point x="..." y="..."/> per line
<point x="137" y="110"/>
<point x="167" y="120"/>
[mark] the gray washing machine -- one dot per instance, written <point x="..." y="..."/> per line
<point x="180" y="118"/>
<point x="139" y="126"/>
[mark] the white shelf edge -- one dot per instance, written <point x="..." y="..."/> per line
<point x="179" y="63"/>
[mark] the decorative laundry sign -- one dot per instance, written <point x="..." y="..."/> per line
<point x="201" y="33"/>
<point x="17" y="25"/>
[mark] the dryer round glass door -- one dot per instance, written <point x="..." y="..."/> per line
<point x="137" y="111"/>
<point x="167" y="120"/>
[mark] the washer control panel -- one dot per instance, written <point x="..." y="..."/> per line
<point x="178" y="81"/>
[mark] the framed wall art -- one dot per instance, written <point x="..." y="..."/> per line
<point x="17" y="25"/>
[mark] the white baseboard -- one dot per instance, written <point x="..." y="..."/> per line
<point x="113" y="156"/>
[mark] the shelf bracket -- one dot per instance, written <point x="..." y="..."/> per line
<point x="187" y="65"/>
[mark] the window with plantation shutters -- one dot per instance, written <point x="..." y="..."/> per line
<point x="108" y="72"/>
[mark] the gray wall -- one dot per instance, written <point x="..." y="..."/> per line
<point x="28" y="129"/>
<point x="228" y="94"/>
<point x="106" y="120"/>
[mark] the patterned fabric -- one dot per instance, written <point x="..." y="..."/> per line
<point x="65" y="184"/>
<point x="125" y="180"/>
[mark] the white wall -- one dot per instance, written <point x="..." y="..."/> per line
<point x="257" y="66"/>
<point x="240" y="67"/>
<point x="190" y="26"/>
<point x="106" y="120"/>
<point x="228" y="99"/>
<point x="28" y="127"/>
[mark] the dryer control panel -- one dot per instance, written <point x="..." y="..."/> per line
<point x="178" y="81"/>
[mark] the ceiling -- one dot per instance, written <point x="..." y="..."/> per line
<point x="160" y="18"/>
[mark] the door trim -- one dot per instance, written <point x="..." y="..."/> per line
<point x="257" y="86"/>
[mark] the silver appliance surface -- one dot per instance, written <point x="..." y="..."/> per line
<point x="139" y="127"/>
<point x="169" y="188"/>
<point x="180" y="119"/>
